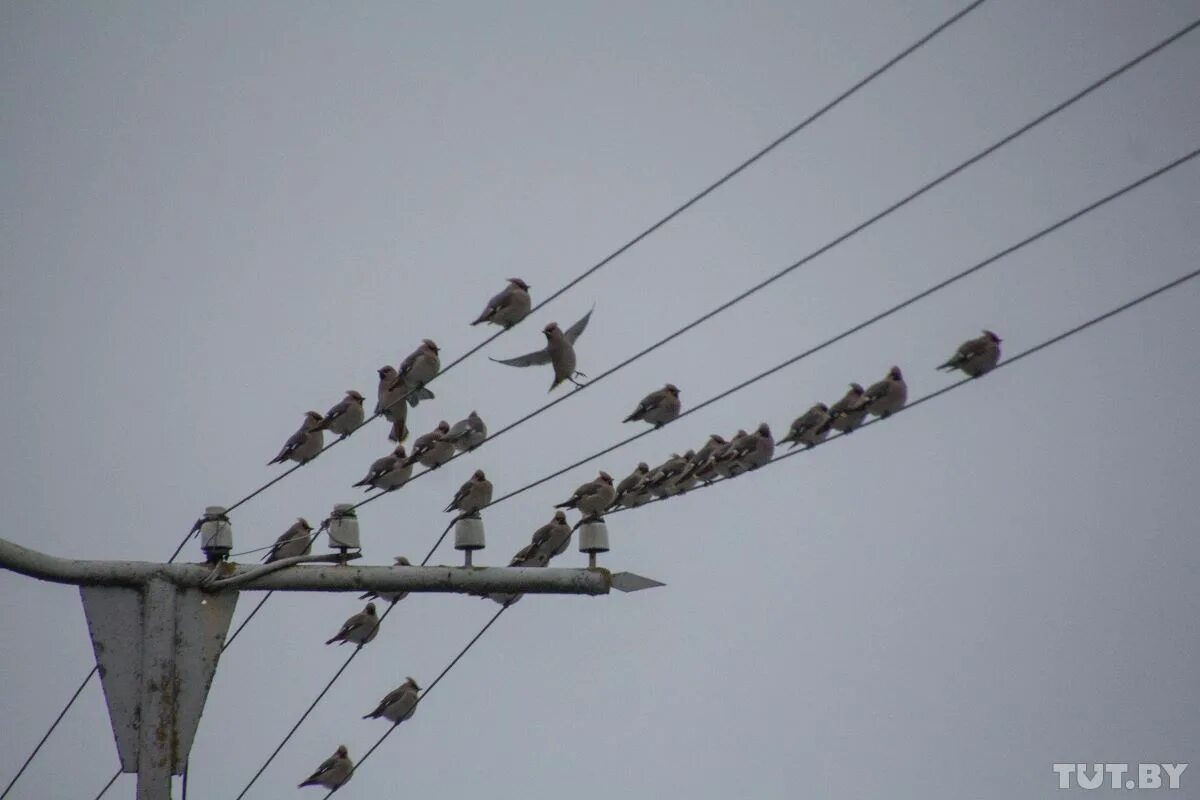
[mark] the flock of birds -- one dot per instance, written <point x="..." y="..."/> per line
<point x="406" y="386"/>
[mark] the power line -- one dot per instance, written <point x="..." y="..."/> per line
<point x="938" y="393"/>
<point x="436" y="681"/>
<point x="834" y="242"/>
<point x="712" y="187"/>
<point x="108" y="785"/>
<point x="749" y="292"/>
<point x="630" y="244"/>
<point x="53" y="725"/>
<point x="321" y="695"/>
<point x="921" y="295"/>
<point x="957" y="384"/>
<point x="1060" y="223"/>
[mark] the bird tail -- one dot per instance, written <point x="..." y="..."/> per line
<point x="417" y="395"/>
<point x="949" y="365"/>
<point x="631" y="418"/>
<point x="363" y="482"/>
<point x="331" y="641"/>
<point x="794" y="443"/>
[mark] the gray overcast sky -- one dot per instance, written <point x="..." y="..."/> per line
<point x="215" y="218"/>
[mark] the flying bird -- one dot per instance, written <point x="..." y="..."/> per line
<point x="592" y="498"/>
<point x="466" y="434"/>
<point x="389" y="597"/>
<point x="559" y="352"/>
<point x="472" y="496"/>
<point x="333" y="772"/>
<point x="346" y="416"/>
<point x="658" y="408"/>
<point x="303" y="445"/>
<point x="429" y="450"/>
<point x="419" y="368"/>
<point x="295" y="541"/>
<point x="509" y="307"/>
<point x="810" y="428"/>
<point x="388" y="473"/>
<point x="359" y="629"/>
<point x="847" y="414"/>
<point x="887" y="396"/>
<point x="398" y="704"/>
<point x="977" y="356"/>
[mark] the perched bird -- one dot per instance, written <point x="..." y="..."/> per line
<point x="472" y="495"/>
<point x="887" y="396"/>
<point x="295" y="541"/>
<point x="661" y="480"/>
<point x="729" y="463"/>
<point x="429" y="450"/>
<point x="592" y="498"/>
<point x="703" y="466"/>
<point x="388" y="473"/>
<point x="303" y="445"/>
<point x="466" y="434"/>
<point x="763" y="448"/>
<point x="847" y="414"/>
<point x="685" y="480"/>
<point x="333" y="772"/>
<point x="551" y="539"/>
<point x="810" y="428"/>
<point x="391" y="403"/>
<point x="714" y="442"/>
<point x="389" y="597"/>
<point x="509" y="307"/>
<point x="529" y="556"/>
<point x="359" y="629"/>
<point x="658" y="408"/>
<point x="977" y="356"/>
<point x="345" y="417"/>
<point x="630" y="491"/>
<point x="398" y="704"/>
<point x="418" y="369"/>
<point x="559" y="351"/>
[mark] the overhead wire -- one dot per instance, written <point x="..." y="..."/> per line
<point x="924" y="293"/>
<point x="661" y="222"/>
<point x="974" y="268"/>
<point x="912" y="196"/>
<point x="680" y="210"/>
<point x="928" y="186"/>
<point x="1006" y="362"/>
<point x="108" y="785"/>
<point x="321" y="695"/>
<point x="453" y="662"/>
<point x="924" y="399"/>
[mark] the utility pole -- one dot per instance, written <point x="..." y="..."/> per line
<point x="158" y="629"/>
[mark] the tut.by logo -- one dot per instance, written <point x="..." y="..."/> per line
<point x="1120" y="776"/>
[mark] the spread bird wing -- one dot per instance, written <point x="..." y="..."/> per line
<point x="528" y="360"/>
<point x="575" y="331"/>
